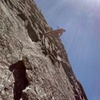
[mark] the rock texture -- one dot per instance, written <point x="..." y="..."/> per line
<point x="32" y="66"/>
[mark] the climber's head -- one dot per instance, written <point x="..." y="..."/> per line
<point x="61" y="28"/>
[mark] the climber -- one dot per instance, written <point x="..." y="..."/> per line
<point x="58" y="32"/>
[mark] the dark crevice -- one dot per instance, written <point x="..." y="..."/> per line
<point x="55" y="53"/>
<point x="9" y="3"/>
<point x="22" y="16"/>
<point x="77" y="96"/>
<point x="44" y="52"/>
<point x="52" y="59"/>
<point x="31" y="32"/>
<point x="33" y="19"/>
<point x="69" y="72"/>
<point x="21" y="82"/>
<point x="83" y="95"/>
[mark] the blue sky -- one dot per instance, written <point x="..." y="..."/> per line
<point x="81" y="19"/>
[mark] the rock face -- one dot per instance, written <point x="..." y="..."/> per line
<point x="32" y="66"/>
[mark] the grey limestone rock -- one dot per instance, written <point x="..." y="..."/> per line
<point x="33" y="66"/>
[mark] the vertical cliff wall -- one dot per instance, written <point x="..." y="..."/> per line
<point x="33" y="66"/>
